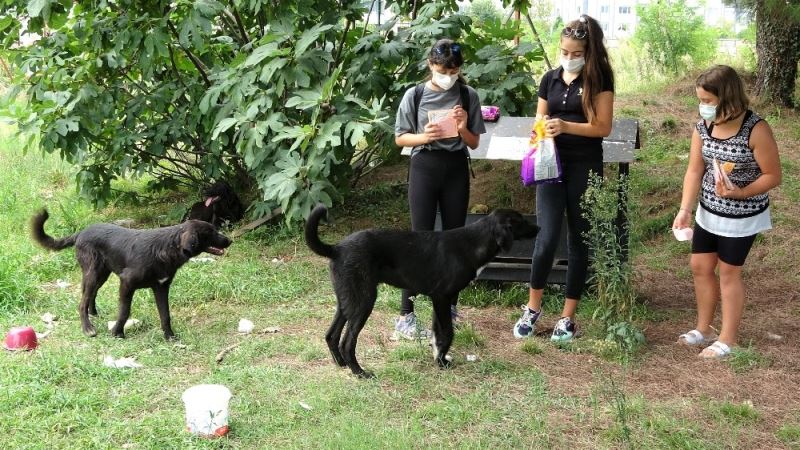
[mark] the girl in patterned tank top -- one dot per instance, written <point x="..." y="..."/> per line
<point x="729" y="215"/>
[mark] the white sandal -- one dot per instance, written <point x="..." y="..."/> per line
<point x="716" y="350"/>
<point x="695" y="337"/>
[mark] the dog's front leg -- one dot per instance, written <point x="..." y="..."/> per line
<point x="442" y="330"/>
<point x="125" y="299"/>
<point x="162" y="302"/>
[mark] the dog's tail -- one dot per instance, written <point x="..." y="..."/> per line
<point x="37" y="230"/>
<point x="312" y="236"/>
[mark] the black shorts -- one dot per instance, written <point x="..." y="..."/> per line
<point x="730" y="250"/>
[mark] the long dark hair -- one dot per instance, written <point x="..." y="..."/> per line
<point x="597" y="72"/>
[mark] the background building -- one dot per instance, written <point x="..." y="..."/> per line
<point x="618" y="17"/>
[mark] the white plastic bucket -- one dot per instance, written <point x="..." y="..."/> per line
<point x="207" y="409"/>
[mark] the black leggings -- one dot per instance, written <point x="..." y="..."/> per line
<point x="437" y="179"/>
<point x="552" y="200"/>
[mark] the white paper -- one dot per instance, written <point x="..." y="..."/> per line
<point x="121" y="363"/>
<point x="245" y="326"/>
<point x="507" y="147"/>
<point x="129" y="325"/>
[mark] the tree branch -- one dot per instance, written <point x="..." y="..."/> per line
<point x="239" y="23"/>
<point x="197" y="63"/>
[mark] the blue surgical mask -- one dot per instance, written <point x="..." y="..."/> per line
<point x="444" y="80"/>
<point x="573" y="65"/>
<point x="708" y="112"/>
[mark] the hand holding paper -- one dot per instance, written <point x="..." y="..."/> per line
<point x="446" y="122"/>
<point x="721" y="171"/>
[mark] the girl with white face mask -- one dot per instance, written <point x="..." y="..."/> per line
<point x="439" y="174"/>
<point x="729" y="216"/>
<point x="577" y="100"/>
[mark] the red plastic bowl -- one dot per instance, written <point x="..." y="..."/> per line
<point x="21" y="338"/>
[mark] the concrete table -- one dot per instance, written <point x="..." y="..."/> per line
<point x="507" y="139"/>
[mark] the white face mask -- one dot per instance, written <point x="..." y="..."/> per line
<point x="573" y="65"/>
<point x="443" y="80"/>
<point x="708" y="112"/>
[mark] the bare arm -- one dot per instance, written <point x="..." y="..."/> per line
<point x="765" y="151"/>
<point x="541" y="108"/>
<point x="472" y="140"/>
<point x="691" y="183"/>
<point x="599" y="127"/>
<point x="429" y="134"/>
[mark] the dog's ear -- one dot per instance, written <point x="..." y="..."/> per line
<point x="189" y="242"/>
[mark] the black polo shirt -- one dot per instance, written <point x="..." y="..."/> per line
<point x="564" y="102"/>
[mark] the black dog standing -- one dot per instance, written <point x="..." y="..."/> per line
<point x="220" y="204"/>
<point x="146" y="258"/>
<point x="436" y="264"/>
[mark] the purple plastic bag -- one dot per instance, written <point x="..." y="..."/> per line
<point x="490" y="113"/>
<point x="541" y="164"/>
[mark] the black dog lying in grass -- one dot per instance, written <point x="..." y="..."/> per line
<point x="436" y="264"/>
<point x="220" y="204"/>
<point x="141" y="259"/>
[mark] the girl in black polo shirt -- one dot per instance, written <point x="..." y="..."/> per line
<point x="577" y="99"/>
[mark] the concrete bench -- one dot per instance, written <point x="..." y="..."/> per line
<point x="507" y="139"/>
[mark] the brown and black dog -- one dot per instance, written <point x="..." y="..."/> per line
<point x="147" y="258"/>
<point x="436" y="264"/>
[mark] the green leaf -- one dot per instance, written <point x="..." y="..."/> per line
<point x="304" y="99"/>
<point x="38" y="8"/>
<point x="270" y="68"/>
<point x="262" y="52"/>
<point x="5" y="21"/>
<point x="223" y="126"/>
<point x="308" y="37"/>
<point x="208" y="8"/>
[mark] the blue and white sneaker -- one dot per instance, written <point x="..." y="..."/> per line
<point x="526" y="325"/>
<point x="564" y="331"/>
<point x="407" y="327"/>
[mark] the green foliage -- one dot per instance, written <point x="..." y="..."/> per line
<point x="743" y="359"/>
<point x="610" y="265"/>
<point x="483" y="11"/>
<point x="501" y="71"/>
<point x="282" y="96"/>
<point x="14" y="289"/>
<point x="790" y="435"/>
<point x="673" y="36"/>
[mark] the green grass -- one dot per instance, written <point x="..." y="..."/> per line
<point x="61" y="395"/>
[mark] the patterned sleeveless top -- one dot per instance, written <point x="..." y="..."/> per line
<point x="736" y="150"/>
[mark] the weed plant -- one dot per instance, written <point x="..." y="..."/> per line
<point x="605" y="202"/>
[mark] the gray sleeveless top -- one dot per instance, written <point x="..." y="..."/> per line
<point x="736" y="150"/>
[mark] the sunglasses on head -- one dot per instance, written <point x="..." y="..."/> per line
<point x="455" y="49"/>
<point x="577" y="33"/>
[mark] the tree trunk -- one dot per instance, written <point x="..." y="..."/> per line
<point x="778" y="51"/>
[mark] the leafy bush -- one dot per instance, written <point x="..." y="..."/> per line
<point x="673" y="36"/>
<point x="281" y="95"/>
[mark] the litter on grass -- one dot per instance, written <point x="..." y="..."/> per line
<point x="245" y="326"/>
<point x="121" y="363"/>
<point x="129" y="325"/>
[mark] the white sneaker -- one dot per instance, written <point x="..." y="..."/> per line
<point x="526" y="325"/>
<point x="407" y="327"/>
